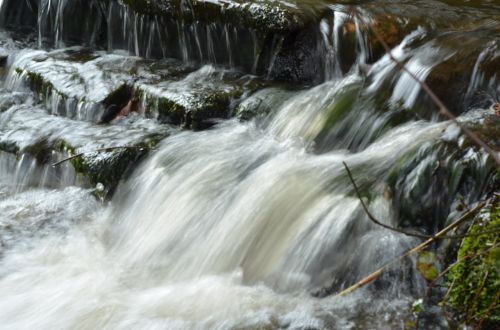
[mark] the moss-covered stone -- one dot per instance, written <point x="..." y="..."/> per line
<point x="262" y="103"/>
<point x="427" y="182"/>
<point x="198" y="99"/>
<point x="75" y="83"/>
<point x="28" y="130"/>
<point x="108" y="168"/>
<point x="474" y="280"/>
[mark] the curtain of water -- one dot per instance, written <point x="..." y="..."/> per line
<point x="228" y="228"/>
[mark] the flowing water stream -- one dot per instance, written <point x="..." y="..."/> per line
<point x="242" y="225"/>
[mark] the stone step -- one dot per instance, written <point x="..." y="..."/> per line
<point x="29" y="130"/>
<point x="81" y="84"/>
<point x="197" y="99"/>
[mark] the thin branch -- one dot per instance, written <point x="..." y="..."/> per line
<point x="93" y="151"/>
<point x="437" y="101"/>
<point x="416" y="249"/>
<point x="402" y="231"/>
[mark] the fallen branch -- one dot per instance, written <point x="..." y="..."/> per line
<point x="416" y="249"/>
<point x="437" y="101"/>
<point x="93" y="151"/>
<point x="402" y="231"/>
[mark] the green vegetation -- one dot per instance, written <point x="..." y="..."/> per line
<point x="474" y="280"/>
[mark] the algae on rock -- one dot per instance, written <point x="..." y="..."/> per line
<point x="475" y="279"/>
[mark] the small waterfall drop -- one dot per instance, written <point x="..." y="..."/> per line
<point x="185" y="213"/>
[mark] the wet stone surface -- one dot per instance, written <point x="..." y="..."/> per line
<point x="29" y="130"/>
<point x="81" y="84"/>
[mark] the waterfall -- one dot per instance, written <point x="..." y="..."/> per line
<point x="221" y="201"/>
<point x="239" y="210"/>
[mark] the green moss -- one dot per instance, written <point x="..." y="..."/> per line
<point x="108" y="168"/>
<point x="40" y="86"/>
<point x="475" y="281"/>
<point x="340" y="106"/>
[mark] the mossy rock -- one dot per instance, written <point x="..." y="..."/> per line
<point x="49" y="139"/>
<point x="474" y="280"/>
<point x="108" y="168"/>
<point x="427" y="182"/>
<point x="76" y="82"/>
<point x="197" y="100"/>
<point x="262" y="103"/>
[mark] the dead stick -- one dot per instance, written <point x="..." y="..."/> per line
<point x="418" y="248"/>
<point x="97" y="150"/>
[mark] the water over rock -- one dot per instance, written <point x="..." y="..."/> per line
<point x="434" y="180"/>
<point x="25" y="129"/>
<point x="235" y="225"/>
<point x="80" y="84"/>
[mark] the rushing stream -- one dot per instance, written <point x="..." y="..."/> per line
<point x="249" y="224"/>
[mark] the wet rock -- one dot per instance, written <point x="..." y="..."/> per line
<point x="28" y="130"/>
<point x="80" y="84"/>
<point x="197" y="99"/>
<point x="262" y="103"/>
<point x="74" y="83"/>
<point x="275" y="16"/>
<point x="474" y="282"/>
<point x="55" y="20"/>
<point x="469" y="77"/>
<point x="247" y="36"/>
<point x="20" y="15"/>
<point x="297" y="59"/>
<point x="4" y="55"/>
<point x="430" y="182"/>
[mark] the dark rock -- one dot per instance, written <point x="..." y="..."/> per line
<point x="262" y="103"/>
<point x="109" y="114"/>
<point x="427" y="183"/>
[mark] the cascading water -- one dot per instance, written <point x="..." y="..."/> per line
<point x="242" y="226"/>
<point x="253" y="217"/>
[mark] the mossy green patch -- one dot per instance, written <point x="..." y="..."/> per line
<point x="475" y="279"/>
<point x="108" y="168"/>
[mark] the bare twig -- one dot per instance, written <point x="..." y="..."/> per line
<point x="402" y="231"/>
<point x="416" y="249"/>
<point x="93" y="151"/>
<point x="443" y="110"/>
